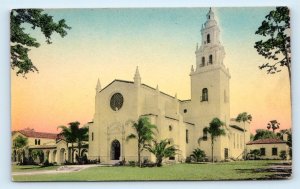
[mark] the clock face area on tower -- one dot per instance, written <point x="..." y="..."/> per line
<point x="116" y="101"/>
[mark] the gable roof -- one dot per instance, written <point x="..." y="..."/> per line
<point x="131" y="82"/>
<point x="34" y="134"/>
<point x="267" y="141"/>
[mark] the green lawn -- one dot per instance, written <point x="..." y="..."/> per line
<point x="27" y="168"/>
<point x="218" y="171"/>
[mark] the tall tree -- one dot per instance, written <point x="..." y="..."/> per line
<point x="244" y="117"/>
<point x="162" y="149"/>
<point x="70" y="134"/>
<point x="82" y="135"/>
<point x="276" y="48"/>
<point x="143" y="133"/>
<point x="22" y="42"/>
<point x="19" y="145"/>
<point x="264" y="134"/>
<point x="273" y="124"/>
<point x="215" y="130"/>
<point x="287" y="132"/>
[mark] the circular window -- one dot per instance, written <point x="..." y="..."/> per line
<point x="116" y="101"/>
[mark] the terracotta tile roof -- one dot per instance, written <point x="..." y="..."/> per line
<point x="266" y="141"/>
<point x="34" y="134"/>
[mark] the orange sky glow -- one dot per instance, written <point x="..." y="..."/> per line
<point x="64" y="89"/>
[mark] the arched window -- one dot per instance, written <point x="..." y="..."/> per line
<point x="187" y="136"/>
<point x="35" y="141"/>
<point x="210" y="59"/>
<point x="203" y="61"/>
<point x="204" y="94"/>
<point x="92" y="136"/>
<point x="204" y="134"/>
<point x="39" y="142"/>
<point x="208" y="38"/>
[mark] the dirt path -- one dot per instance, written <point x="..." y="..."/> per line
<point x="62" y="169"/>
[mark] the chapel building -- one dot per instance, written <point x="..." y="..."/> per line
<point x="180" y="121"/>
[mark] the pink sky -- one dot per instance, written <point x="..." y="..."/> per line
<point x="64" y="89"/>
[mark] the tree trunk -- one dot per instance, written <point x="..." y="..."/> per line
<point x="79" y="148"/>
<point x="212" y="150"/>
<point x="244" y="142"/>
<point x="139" y="155"/>
<point x="158" y="161"/>
<point x="290" y="76"/>
<point x="72" y="150"/>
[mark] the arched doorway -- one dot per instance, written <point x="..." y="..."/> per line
<point x="54" y="156"/>
<point x="84" y="152"/>
<point x="115" y="150"/>
<point x="47" y="155"/>
<point x="62" y="156"/>
<point x="75" y="156"/>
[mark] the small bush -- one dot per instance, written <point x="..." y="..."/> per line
<point x="132" y="163"/>
<point x="188" y="160"/>
<point x="46" y="163"/>
<point x="254" y="155"/>
<point x="198" y="155"/>
<point x="283" y="155"/>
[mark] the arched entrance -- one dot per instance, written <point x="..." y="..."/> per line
<point x="115" y="150"/>
<point x="62" y="155"/>
<point x="54" y="156"/>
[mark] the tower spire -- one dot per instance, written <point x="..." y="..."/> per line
<point x="98" y="87"/>
<point x="137" y="77"/>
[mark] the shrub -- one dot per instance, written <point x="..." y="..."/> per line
<point x="148" y="163"/>
<point x="188" y="160"/>
<point x="291" y="152"/>
<point x="46" y="163"/>
<point x="254" y="154"/>
<point x="198" y="155"/>
<point x="282" y="155"/>
<point x="132" y="163"/>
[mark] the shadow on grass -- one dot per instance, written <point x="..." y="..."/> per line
<point x="271" y="173"/>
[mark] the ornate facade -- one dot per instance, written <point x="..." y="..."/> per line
<point x="180" y="121"/>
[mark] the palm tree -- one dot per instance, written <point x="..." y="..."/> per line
<point x="244" y="117"/>
<point x="19" y="145"/>
<point x="215" y="131"/>
<point x="82" y="135"/>
<point x="273" y="124"/>
<point x="198" y="155"/>
<point x="144" y="134"/>
<point x="70" y="134"/>
<point x="161" y="150"/>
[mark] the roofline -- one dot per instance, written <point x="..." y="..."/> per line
<point x="282" y="142"/>
<point x="237" y="127"/>
<point x="131" y="82"/>
<point x="124" y="81"/>
<point x="189" y="123"/>
<point x="38" y="132"/>
<point x="185" y="100"/>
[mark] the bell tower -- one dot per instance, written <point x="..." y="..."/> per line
<point x="210" y="78"/>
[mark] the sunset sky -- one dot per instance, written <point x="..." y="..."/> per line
<point x="110" y="43"/>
